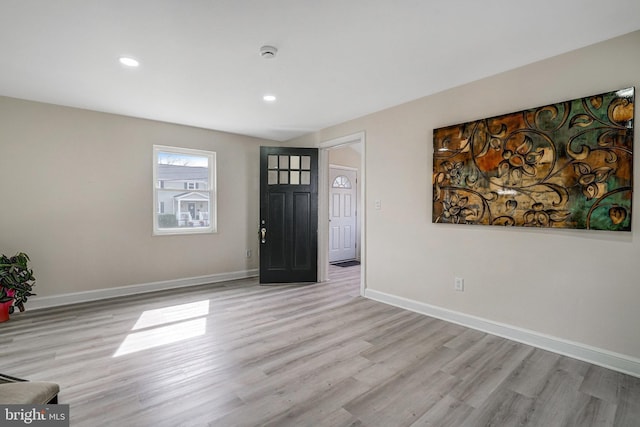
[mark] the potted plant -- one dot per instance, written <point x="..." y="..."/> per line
<point x="16" y="283"/>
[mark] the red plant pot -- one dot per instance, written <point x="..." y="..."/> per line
<point x="4" y="307"/>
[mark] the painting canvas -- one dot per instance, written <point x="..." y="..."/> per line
<point x="565" y="165"/>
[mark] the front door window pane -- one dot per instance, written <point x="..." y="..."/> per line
<point x="306" y="162"/>
<point x="284" y="162"/>
<point x="273" y="162"/>
<point x="305" y="178"/>
<point x="295" y="162"/>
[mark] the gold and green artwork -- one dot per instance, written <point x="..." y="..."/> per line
<point x="565" y="165"/>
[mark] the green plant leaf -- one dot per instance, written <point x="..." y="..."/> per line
<point x="15" y="275"/>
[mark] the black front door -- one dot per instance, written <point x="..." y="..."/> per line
<point x="288" y="215"/>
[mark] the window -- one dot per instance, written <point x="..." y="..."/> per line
<point x="191" y="185"/>
<point x="184" y="190"/>
<point x="289" y="170"/>
<point x="341" y="182"/>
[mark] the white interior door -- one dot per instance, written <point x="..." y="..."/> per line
<point x="342" y="214"/>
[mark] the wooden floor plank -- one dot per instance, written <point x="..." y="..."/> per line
<point x="532" y="374"/>
<point x="502" y="408"/>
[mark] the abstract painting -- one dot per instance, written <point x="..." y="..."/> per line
<point x="565" y="165"/>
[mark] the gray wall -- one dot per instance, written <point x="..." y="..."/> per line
<point x="77" y="197"/>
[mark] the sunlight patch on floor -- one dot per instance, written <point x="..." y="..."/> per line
<point x="174" y="313"/>
<point x="166" y="325"/>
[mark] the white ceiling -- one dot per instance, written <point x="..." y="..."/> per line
<point x="337" y="59"/>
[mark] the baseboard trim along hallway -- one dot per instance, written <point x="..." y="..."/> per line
<point x="99" y="294"/>
<point x="597" y="356"/>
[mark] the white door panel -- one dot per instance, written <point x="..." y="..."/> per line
<point x="347" y="206"/>
<point x="335" y="238"/>
<point x="347" y="238"/>
<point x="335" y="205"/>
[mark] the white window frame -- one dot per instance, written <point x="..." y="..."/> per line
<point x="213" y="201"/>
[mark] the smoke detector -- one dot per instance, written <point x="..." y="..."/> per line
<point x="268" y="52"/>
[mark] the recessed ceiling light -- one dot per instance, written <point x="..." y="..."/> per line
<point x="269" y="98"/>
<point x="129" y="62"/>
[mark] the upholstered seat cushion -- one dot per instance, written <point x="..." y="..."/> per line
<point x="31" y="392"/>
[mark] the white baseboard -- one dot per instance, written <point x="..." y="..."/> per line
<point x="597" y="356"/>
<point x="98" y="294"/>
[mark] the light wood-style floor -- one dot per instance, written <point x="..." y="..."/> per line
<point x="317" y="355"/>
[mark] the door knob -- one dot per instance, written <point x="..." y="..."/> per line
<point x="263" y="235"/>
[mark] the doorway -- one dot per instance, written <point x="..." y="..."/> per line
<point x="347" y="145"/>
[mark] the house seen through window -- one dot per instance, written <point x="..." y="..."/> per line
<point x="184" y="190"/>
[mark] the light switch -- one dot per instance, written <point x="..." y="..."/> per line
<point x="378" y="204"/>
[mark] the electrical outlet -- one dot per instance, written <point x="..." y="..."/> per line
<point x="459" y="284"/>
<point x="248" y="253"/>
